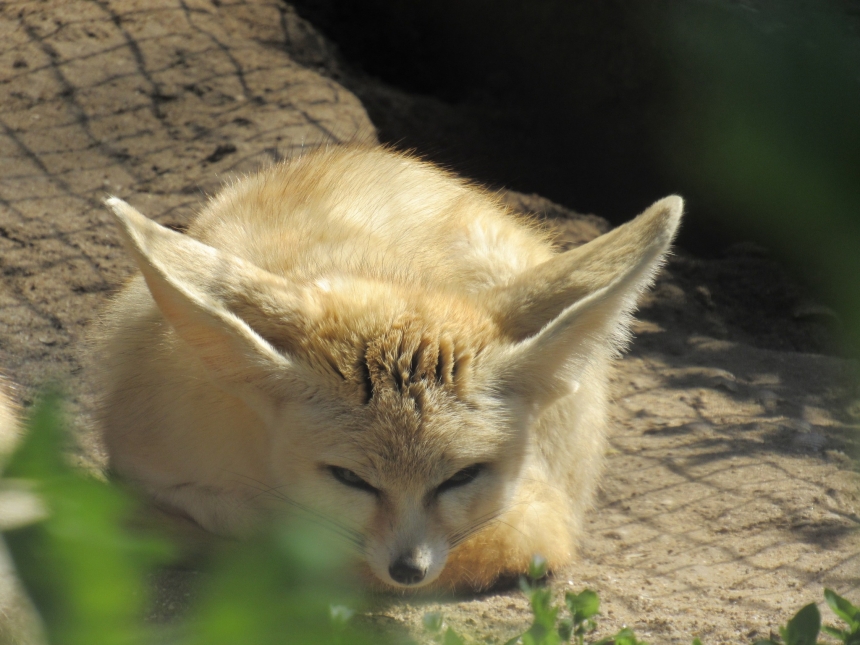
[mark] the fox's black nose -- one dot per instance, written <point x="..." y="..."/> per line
<point x="406" y="571"/>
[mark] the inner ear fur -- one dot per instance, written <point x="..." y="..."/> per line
<point x="575" y="308"/>
<point x="540" y="294"/>
<point x="211" y="298"/>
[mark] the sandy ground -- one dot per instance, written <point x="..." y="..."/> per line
<point x="729" y="498"/>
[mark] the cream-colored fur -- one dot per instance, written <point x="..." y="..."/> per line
<point x="9" y="430"/>
<point x="345" y="333"/>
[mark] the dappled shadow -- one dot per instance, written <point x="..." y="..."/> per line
<point x="730" y="478"/>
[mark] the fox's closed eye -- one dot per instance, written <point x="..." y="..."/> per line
<point x="461" y="478"/>
<point x="349" y="478"/>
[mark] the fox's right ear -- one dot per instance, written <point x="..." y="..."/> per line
<point x="195" y="287"/>
<point x="569" y="312"/>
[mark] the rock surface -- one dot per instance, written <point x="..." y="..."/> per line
<point x="155" y="102"/>
<point x="729" y="499"/>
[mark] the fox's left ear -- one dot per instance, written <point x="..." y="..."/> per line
<point x="575" y="308"/>
<point x="201" y="291"/>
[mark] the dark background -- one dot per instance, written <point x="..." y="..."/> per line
<point x="750" y="110"/>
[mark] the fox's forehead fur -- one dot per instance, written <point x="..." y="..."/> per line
<point x="426" y="408"/>
<point x="399" y="373"/>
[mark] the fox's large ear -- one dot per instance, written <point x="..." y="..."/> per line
<point x="564" y="312"/>
<point x="198" y="288"/>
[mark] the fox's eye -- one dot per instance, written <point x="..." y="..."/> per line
<point x="349" y="478"/>
<point x="461" y="478"/>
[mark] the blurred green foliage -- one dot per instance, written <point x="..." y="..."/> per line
<point x="766" y="129"/>
<point x="89" y="576"/>
<point x="551" y="627"/>
<point x="81" y="569"/>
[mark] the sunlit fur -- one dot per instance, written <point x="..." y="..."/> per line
<point x="8" y="418"/>
<point x="362" y="309"/>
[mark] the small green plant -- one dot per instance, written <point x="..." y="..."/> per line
<point x="549" y="625"/>
<point x="548" y="628"/>
<point x="848" y="613"/>
<point x="582" y="609"/>
<point x="805" y="627"/>
<point x="802" y="629"/>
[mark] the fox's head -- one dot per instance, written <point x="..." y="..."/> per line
<point x="399" y="419"/>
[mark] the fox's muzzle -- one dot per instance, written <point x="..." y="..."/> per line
<point x="407" y="571"/>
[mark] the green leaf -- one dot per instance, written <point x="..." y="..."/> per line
<point x="432" y="621"/>
<point x="842" y="608"/>
<point x="544" y="612"/>
<point x="537" y="567"/>
<point x="542" y="630"/>
<point x="696" y="641"/>
<point x="627" y="637"/>
<point x="583" y="605"/>
<point x="282" y="581"/>
<point x="803" y="629"/>
<point x="565" y="630"/>
<point x="452" y="638"/>
<point x="838" y="633"/>
<point x="82" y="569"/>
<point x="525" y="586"/>
<point x="38" y="456"/>
<point x="541" y="635"/>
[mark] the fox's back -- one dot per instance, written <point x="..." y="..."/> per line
<point x="372" y="214"/>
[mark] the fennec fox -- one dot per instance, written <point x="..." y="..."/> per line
<point x="362" y="335"/>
